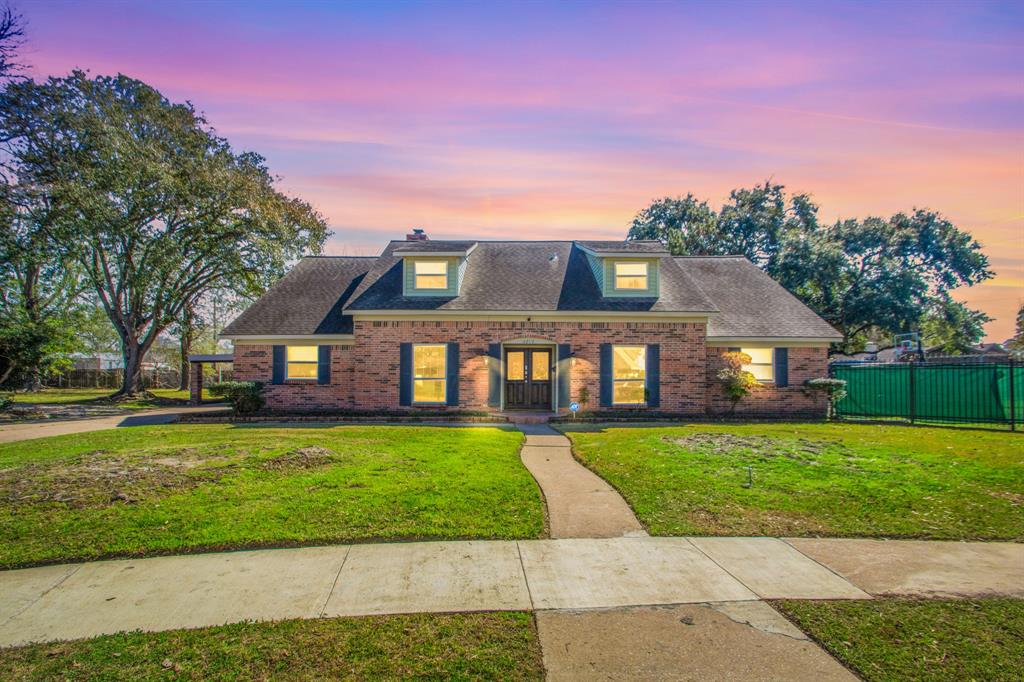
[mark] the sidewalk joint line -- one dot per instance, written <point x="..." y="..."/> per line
<point x="526" y="579"/>
<point x="727" y="571"/>
<point x="42" y="594"/>
<point x="827" y="568"/>
<point x="334" y="584"/>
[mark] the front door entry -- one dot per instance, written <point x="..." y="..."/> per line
<point x="528" y="378"/>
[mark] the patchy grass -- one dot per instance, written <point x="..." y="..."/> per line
<point x="161" y="397"/>
<point x="813" y="479"/>
<point x="899" y="640"/>
<point x="166" y="489"/>
<point x="425" y="646"/>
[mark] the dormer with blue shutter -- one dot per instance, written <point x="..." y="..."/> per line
<point x="433" y="269"/>
<point x="626" y="269"/>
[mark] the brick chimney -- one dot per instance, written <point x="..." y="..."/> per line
<point x="418" y="235"/>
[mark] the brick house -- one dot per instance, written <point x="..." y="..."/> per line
<point x="528" y="325"/>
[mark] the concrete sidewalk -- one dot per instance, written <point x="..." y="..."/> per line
<point x="580" y="504"/>
<point x="163" y="415"/>
<point x="84" y="600"/>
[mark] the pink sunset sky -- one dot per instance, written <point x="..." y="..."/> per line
<point x="531" y="120"/>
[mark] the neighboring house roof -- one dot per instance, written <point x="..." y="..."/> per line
<point x="319" y="295"/>
<point x="639" y="247"/>
<point x="308" y="300"/>
<point x="752" y="304"/>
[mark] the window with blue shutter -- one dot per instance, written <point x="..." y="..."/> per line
<point x="278" y="364"/>
<point x="405" y="374"/>
<point x="453" y="374"/>
<point x="494" y="375"/>
<point x="653" y="375"/>
<point x="564" y="374"/>
<point x="323" y="368"/>
<point x="782" y="367"/>
<point x="606" y="375"/>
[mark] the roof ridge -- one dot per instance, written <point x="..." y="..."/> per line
<point x="734" y="255"/>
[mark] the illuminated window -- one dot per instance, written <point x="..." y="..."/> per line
<point x="429" y="374"/>
<point x="629" y="275"/>
<point x="760" y="364"/>
<point x="540" y="366"/>
<point x="516" y="365"/>
<point x="302" y="362"/>
<point x="629" y="375"/>
<point x="430" y="274"/>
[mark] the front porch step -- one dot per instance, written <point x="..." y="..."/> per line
<point x="528" y="417"/>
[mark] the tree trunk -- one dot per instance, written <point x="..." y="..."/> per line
<point x="187" y="337"/>
<point x="131" y="384"/>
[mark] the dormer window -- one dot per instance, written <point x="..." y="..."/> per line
<point x="631" y="275"/>
<point x="430" y="274"/>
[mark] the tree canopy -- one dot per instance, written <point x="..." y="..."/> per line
<point x="873" y="275"/>
<point x="149" y="202"/>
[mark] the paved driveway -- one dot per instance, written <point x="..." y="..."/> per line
<point x="164" y="415"/>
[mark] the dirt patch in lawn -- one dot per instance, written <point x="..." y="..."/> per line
<point x="738" y="520"/>
<point x="805" y="450"/>
<point x="300" y="459"/>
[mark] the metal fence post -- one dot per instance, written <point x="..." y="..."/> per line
<point x="1013" y="400"/>
<point x="913" y="407"/>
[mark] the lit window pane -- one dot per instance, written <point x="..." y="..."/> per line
<point x="540" y="366"/>
<point x="302" y="370"/>
<point x="629" y="362"/>
<point x="628" y="393"/>
<point x="515" y="370"/>
<point x="631" y="275"/>
<point x="428" y="362"/>
<point x="428" y="390"/>
<point x="302" y="353"/>
<point x="431" y="274"/>
<point x="761" y="363"/>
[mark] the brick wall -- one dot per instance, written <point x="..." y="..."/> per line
<point x="767" y="399"/>
<point x="364" y="376"/>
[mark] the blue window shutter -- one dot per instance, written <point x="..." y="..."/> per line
<point x="278" y="367"/>
<point x="653" y="375"/>
<point x="782" y="367"/>
<point x="564" y="374"/>
<point x="606" y="375"/>
<point x="323" y="365"/>
<point x="494" y="375"/>
<point x="452" y="367"/>
<point x="405" y="374"/>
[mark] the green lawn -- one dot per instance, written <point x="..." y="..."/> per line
<point x="85" y="396"/>
<point x="499" y="646"/>
<point x="813" y="479"/>
<point x="901" y="640"/>
<point x="175" y="488"/>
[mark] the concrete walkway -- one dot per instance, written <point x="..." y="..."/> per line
<point x="84" y="600"/>
<point x="580" y="504"/>
<point x="163" y="415"/>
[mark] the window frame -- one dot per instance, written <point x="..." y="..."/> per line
<point x="288" y="362"/>
<point x="416" y="275"/>
<point x="770" y="364"/>
<point x="646" y="276"/>
<point x="633" y="380"/>
<point x="443" y="378"/>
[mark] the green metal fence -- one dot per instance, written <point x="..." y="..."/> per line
<point x="969" y="393"/>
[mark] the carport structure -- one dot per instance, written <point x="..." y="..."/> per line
<point x="196" y="363"/>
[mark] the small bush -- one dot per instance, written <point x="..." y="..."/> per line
<point x="736" y="381"/>
<point x="833" y="389"/>
<point x="6" y="402"/>
<point x="245" y="397"/>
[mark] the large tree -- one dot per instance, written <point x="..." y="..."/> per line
<point x="880" y="275"/>
<point x="952" y="328"/>
<point x="151" y="204"/>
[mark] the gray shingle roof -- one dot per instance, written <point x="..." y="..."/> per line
<point x="516" y="276"/>
<point x="308" y="300"/>
<point x="751" y="303"/>
<point x="528" y="276"/>
<point x="435" y="246"/>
